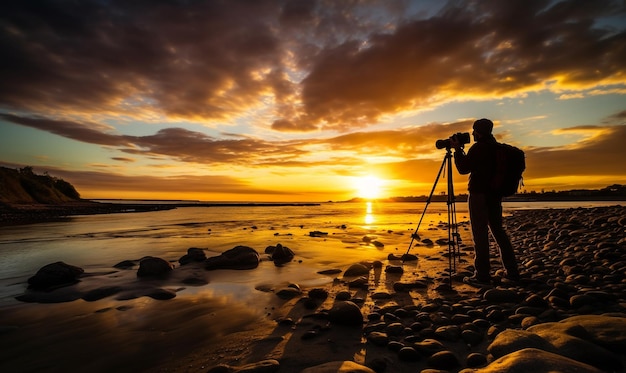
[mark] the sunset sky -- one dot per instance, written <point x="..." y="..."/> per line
<point x="307" y="100"/>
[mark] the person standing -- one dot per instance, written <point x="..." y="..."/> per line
<point x="485" y="205"/>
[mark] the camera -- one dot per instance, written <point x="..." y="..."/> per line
<point x="462" y="138"/>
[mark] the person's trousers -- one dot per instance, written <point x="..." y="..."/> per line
<point x="486" y="215"/>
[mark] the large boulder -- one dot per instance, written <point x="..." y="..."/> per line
<point x="153" y="267"/>
<point x="536" y="361"/>
<point x="239" y="257"/>
<point x="55" y="275"/>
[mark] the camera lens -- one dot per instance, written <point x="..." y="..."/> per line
<point x="440" y="144"/>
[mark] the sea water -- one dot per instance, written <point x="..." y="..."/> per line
<point x="98" y="242"/>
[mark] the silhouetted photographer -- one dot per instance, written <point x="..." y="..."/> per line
<point x="485" y="201"/>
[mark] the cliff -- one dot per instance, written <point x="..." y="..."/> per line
<point x="23" y="186"/>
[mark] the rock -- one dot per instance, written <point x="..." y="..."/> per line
<point x="239" y="258"/>
<point x="153" y="267"/>
<point x="55" y="275"/>
<point x="356" y="270"/>
<point x="280" y="254"/>
<point x="501" y="296"/>
<point x="318" y="293"/>
<point x="409" y="354"/>
<point x="346" y="313"/>
<point x="288" y="293"/>
<point x="378" y="338"/>
<point x="194" y="254"/>
<point x="476" y="359"/>
<point x="161" y="294"/>
<point x="591" y="339"/>
<point x="394" y="269"/>
<point x="511" y="340"/>
<point x="264" y="366"/>
<point x="125" y="264"/>
<point x="538" y="361"/>
<point x="338" y="367"/>
<point x="445" y="360"/>
<point x="333" y="271"/>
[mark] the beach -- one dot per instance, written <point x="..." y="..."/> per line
<point x="389" y="315"/>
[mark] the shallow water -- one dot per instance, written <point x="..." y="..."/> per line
<point x="134" y="332"/>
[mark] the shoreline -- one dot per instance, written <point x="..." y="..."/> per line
<point x="16" y="214"/>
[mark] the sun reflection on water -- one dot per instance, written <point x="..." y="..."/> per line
<point x="369" y="216"/>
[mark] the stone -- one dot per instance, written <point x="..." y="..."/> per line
<point x="409" y="354"/>
<point x="161" y="294"/>
<point x="55" y="275"/>
<point x="125" y="264"/>
<point x="356" y="270"/>
<point x="378" y="338"/>
<point x="511" y="340"/>
<point x="264" y="366"/>
<point x="288" y="293"/>
<point x="445" y="360"/>
<point x="280" y="254"/>
<point x="239" y="258"/>
<point x="194" y="254"/>
<point x="592" y="339"/>
<point x="346" y="313"/>
<point x="338" y="367"/>
<point x="476" y="359"/>
<point x="501" y="296"/>
<point x="535" y="360"/>
<point x="153" y="267"/>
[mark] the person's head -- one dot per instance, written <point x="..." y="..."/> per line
<point x="482" y="128"/>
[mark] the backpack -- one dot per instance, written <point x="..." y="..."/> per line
<point x="510" y="164"/>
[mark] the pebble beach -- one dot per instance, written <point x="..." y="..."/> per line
<point x="566" y="314"/>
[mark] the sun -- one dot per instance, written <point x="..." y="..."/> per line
<point x="368" y="187"/>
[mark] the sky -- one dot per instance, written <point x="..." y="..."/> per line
<point x="307" y="101"/>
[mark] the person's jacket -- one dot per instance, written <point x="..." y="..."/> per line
<point x="479" y="162"/>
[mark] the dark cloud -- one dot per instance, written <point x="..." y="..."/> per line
<point x="92" y="133"/>
<point x="330" y="65"/>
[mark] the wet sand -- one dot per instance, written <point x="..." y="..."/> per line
<point x="573" y="263"/>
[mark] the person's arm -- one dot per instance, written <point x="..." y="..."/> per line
<point x="461" y="160"/>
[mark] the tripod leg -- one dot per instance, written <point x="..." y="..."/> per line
<point x="430" y="196"/>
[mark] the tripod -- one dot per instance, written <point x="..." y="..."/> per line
<point x="454" y="238"/>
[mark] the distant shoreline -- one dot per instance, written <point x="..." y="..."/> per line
<point x="17" y="214"/>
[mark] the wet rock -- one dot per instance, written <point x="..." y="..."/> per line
<point x="239" y="258"/>
<point x="153" y="267"/>
<point x="161" y="294"/>
<point x="280" y="254"/>
<point x="346" y="313"/>
<point x="194" y="254"/>
<point x="356" y="270"/>
<point x="55" y="275"/>
<point x="125" y="264"/>
<point x="288" y="293"/>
